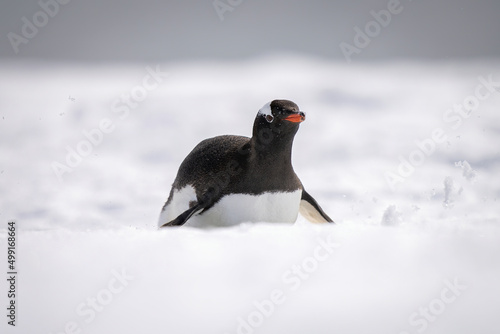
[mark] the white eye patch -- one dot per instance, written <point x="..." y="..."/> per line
<point x="266" y="110"/>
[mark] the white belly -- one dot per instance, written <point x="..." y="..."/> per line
<point x="238" y="208"/>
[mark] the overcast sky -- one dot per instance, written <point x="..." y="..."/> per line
<point x="154" y="30"/>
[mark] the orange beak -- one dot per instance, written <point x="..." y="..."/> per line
<point x="296" y="118"/>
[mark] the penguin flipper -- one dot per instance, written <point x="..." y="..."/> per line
<point x="311" y="210"/>
<point x="183" y="217"/>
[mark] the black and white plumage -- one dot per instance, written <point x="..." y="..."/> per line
<point x="227" y="180"/>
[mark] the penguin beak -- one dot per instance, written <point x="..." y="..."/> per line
<point x="296" y="118"/>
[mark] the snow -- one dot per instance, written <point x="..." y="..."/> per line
<point x="450" y="192"/>
<point x="391" y="216"/>
<point x="468" y="173"/>
<point x="88" y="155"/>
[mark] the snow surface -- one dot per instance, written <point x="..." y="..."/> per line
<point x="421" y="256"/>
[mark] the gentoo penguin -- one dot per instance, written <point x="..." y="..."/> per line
<point x="228" y="180"/>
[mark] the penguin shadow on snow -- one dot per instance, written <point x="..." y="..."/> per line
<point x="227" y="180"/>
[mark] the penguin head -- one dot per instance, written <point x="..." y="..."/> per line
<point x="277" y="121"/>
<point x="282" y="112"/>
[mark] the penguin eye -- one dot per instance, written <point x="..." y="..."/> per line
<point x="269" y="118"/>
